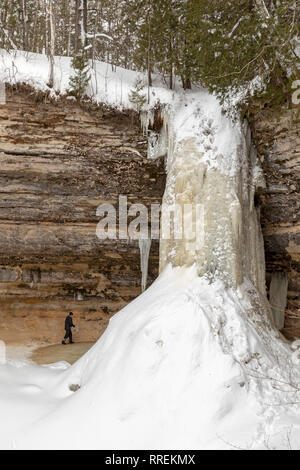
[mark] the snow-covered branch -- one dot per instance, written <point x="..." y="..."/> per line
<point x="236" y="26"/>
<point x="98" y="35"/>
<point x="262" y="7"/>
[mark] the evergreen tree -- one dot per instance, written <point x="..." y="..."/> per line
<point x="79" y="81"/>
<point x="232" y="43"/>
<point x="166" y="33"/>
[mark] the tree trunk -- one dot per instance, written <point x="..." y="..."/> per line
<point x="149" y="65"/>
<point x="25" y="35"/>
<point x="84" y="22"/>
<point x="52" y="44"/>
<point x="186" y="83"/>
<point x="171" y="78"/>
<point x="262" y="7"/>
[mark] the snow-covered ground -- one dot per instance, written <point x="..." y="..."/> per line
<point x="193" y="363"/>
<point x="183" y="366"/>
<point x="20" y="352"/>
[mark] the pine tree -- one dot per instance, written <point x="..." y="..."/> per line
<point x="136" y="96"/>
<point x="79" y="81"/>
<point x="166" y="20"/>
<point x="232" y="43"/>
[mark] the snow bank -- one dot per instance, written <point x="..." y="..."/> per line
<point x="108" y="84"/>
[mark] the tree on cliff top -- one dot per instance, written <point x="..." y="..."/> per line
<point x="234" y="43"/>
<point x="80" y="80"/>
<point x="224" y="45"/>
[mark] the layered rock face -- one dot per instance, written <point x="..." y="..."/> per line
<point x="59" y="162"/>
<point x="277" y="138"/>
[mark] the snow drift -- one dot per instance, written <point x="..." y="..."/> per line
<point x="194" y="362"/>
<point x="189" y="364"/>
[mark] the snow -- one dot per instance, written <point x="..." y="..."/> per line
<point x="193" y="363"/>
<point x="98" y="35"/>
<point x="199" y="116"/>
<point x="176" y="368"/>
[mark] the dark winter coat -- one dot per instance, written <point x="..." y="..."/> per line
<point x="68" y="323"/>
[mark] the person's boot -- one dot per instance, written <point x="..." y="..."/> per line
<point x="71" y="342"/>
<point x="63" y="342"/>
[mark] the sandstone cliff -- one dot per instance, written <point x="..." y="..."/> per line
<point x="59" y="162"/>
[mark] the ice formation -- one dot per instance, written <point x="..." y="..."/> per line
<point x="278" y="297"/>
<point x="144" y="245"/>
<point x="213" y="163"/>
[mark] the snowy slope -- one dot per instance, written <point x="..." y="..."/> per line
<point x="191" y="363"/>
<point x="183" y="366"/>
<point x="109" y="85"/>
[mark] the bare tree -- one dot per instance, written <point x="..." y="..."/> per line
<point x="25" y="32"/>
<point x="149" y="48"/>
<point x="84" y="7"/>
<point x="77" y="26"/>
<point x="52" y="42"/>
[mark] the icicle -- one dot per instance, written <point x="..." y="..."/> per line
<point x="158" y="142"/>
<point x="147" y="119"/>
<point x="144" y="122"/>
<point x="2" y="93"/>
<point x="145" y="245"/>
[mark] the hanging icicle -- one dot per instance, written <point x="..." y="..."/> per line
<point x="145" y="245"/>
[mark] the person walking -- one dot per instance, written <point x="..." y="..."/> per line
<point x="68" y="327"/>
